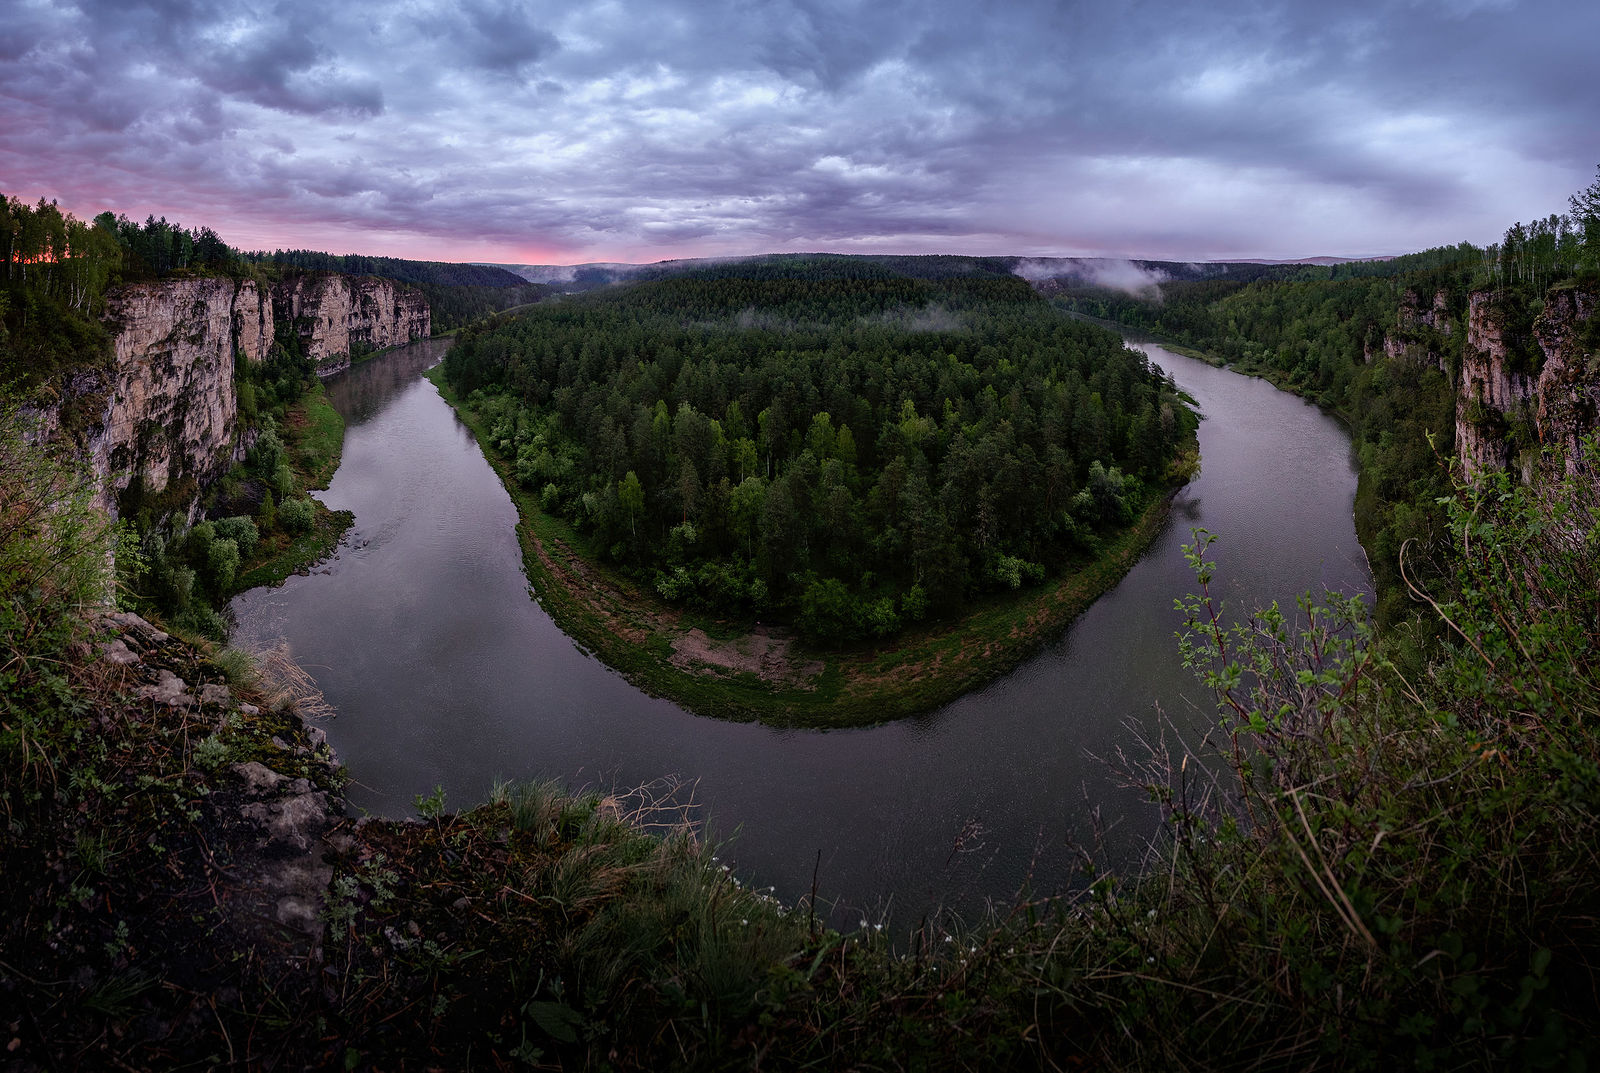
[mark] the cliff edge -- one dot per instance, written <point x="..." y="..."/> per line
<point x="164" y="416"/>
<point x="1530" y="379"/>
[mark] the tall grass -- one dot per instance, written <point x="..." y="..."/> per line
<point x="54" y="567"/>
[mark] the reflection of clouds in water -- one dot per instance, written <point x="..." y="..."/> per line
<point x="362" y="391"/>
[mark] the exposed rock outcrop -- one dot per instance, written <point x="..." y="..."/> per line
<point x="274" y="831"/>
<point x="165" y="415"/>
<point x="173" y="413"/>
<point x="337" y="315"/>
<point x="253" y="326"/>
<point x="1424" y="326"/>
<point x="1568" y="389"/>
<point x="1517" y="395"/>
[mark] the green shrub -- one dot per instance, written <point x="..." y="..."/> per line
<point x="283" y="482"/>
<point x="296" y="515"/>
<point x="222" y="563"/>
<point x="54" y="547"/>
<point x="242" y="531"/>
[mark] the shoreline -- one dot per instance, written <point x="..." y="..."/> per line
<point x="316" y="452"/>
<point x="743" y="671"/>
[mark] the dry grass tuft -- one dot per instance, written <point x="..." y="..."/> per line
<point x="285" y="683"/>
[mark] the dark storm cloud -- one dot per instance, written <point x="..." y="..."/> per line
<point x="626" y="128"/>
<point x="495" y="36"/>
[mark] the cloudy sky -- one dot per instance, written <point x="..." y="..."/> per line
<point x="642" y="129"/>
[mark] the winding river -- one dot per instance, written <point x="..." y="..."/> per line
<point x="445" y="671"/>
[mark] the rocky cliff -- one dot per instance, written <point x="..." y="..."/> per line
<point x="1425" y="326"/>
<point x="172" y="416"/>
<point x="337" y="316"/>
<point x="163" y="419"/>
<point x="1530" y="379"/>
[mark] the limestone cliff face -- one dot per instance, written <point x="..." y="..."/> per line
<point x="1568" y="389"/>
<point x="335" y="315"/>
<point x="1522" y="391"/>
<point x="165" y="416"/>
<point x="1424" y="325"/>
<point x="253" y="326"/>
<point x="172" y="416"/>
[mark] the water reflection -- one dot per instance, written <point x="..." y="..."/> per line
<point x="446" y="672"/>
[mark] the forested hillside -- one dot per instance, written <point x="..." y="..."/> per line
<point x="829" y="439"/>
<point x="1381" y="344"/>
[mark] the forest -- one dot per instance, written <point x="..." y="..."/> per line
<point x="835" y="442"/>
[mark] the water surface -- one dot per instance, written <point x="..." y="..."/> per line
<point x="445" y="671"/>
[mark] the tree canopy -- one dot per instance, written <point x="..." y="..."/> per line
<point x="829" y="439"/>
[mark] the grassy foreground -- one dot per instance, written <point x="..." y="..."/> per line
<point x="735" y="670"/>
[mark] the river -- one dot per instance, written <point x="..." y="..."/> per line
<point x="445" y="671"/>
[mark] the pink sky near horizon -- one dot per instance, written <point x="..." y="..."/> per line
<point x="527" y="132"/>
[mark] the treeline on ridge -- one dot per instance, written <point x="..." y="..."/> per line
<point x="825" y="439"/>
<point x="457" y="294"/>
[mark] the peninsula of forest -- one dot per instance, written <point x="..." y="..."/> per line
<point x="821" y="490"/>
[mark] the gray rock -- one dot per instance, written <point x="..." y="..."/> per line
<point x="301" y="885"/>
<point x="169" y="689"/>
<point x="118" y="652"/>
<point x="214" y="693"/>
<point x="294" y="821"/>
<point x="127" y="620"/>
<point x="259" y="778"/>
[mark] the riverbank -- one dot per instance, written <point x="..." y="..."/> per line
<point x="313" y="439"/>
<point x="747" y="671"/>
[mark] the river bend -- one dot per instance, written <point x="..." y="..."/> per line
<point x="445" y="671"/>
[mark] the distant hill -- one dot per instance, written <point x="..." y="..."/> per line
<point x="1311" y="260"/>
<point x="594" y="273"/>
<point x="440" y="273"/>
<point x="1117" y="273"/>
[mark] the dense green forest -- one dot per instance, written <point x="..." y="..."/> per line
<point x="826" y="439"/>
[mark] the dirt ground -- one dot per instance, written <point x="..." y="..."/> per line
<point x="766" y="653"/>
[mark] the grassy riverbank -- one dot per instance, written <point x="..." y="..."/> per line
<point x="742" y="670"/>
<point x="313" y="439"/>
